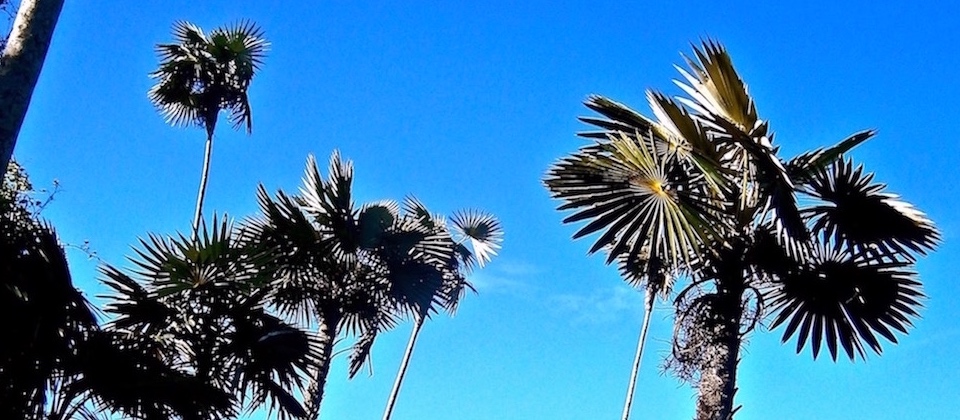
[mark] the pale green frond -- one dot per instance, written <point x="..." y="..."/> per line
<point x="717" y="88"/>
<point x="630" y="195"/>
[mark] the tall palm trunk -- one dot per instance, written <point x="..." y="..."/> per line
<point x="388" y="412"/>
<point x="20" y="66"/>
<point x="208" y="150"/>
<point x="329" y="324"/>
<point x="717" y="386"/>
<point x="647" y="311"/>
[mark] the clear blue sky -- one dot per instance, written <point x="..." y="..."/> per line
<point x="467" y="106"/>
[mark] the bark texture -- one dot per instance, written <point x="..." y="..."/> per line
<point x="20" y="66"/>
<point x="718" y="377"/>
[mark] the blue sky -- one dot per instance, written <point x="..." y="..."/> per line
<point x="466" y="106"/>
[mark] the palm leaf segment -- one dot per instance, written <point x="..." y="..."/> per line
<point x="197" y="305"/>
<point x="713" y="159"/>
<point x="202" y="74"/>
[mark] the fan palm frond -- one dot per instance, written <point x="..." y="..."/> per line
<point x="842" y="296"/>
<point x="857" y="213"/>
<point x="633" y="196"/>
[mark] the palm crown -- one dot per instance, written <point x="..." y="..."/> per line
<point x="200" y="75"/>
<point x="700" y="191"/>
<point x="361" y="269"/>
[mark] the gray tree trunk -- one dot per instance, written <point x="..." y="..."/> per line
<point x="392" y="400"/>
<point x="208" y="149"/>
<point x="718" y="379"/>
<point x="20" y="66"/>
<point x="631" y="387"/>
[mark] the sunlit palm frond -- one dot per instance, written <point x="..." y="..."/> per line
<point x="717" y="91"/>
<point x="857" y="213"/>
<point x="845" y="297"/>
<point x="675" y="133"/>
<point x="617" y="118"/>
<point x="720" y="99"/>
<point x="634" y="197"/>
<point x="481" y="230"/>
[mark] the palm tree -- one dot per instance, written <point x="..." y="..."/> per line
<point x="57" y="363"/>
<point x="198" y="307"/>
<point x="200" y="75"/>
<point x="356" y="270"/>
<point x="700" y="192"/>
<point x="484" y="235"/>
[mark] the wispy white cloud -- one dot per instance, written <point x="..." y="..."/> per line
<point x="505" y="276"/>
<point x="602" y="306"/>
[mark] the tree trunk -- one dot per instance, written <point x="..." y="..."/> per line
<point x="718" y="379"/>
<point x="20" y="66"/>
<point x="329" y="324"/>
<point x="208" y="150"/>
<point x="647" y="311"/>
<point x="388" y="412"/>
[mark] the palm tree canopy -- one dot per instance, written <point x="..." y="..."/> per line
<point x="700" y="189"/>
<point x="371" y="264"/>
<point x="199" y="307"/>
<point x="201" y="74"/>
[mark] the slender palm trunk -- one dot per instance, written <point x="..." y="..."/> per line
<point x="718" y="379"/>
<point x="314" y="395"/>
<point x="208" y="150"/>
<point x="647" y="311"/>
<point x="388" y="412"/>
<point x="20" y="66"/>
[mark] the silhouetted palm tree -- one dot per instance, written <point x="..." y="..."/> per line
<point x="357" y="270"/>
<point x="198" y="308"/>
<point x="483" y="234"/>
<point x="700" y="192"/>
<point x="200" y="75"/>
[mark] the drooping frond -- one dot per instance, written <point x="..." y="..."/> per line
<point x="845" y="297"/>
